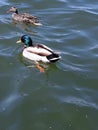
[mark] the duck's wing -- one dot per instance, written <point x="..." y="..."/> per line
<point x="29" y="16"/>
<point x="40" y="50"/>
<point x="45" y="47"/>
<point x="52" y="56"/>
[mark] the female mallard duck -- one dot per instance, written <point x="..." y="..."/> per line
<point x="37" y="52"/>
<point x="25" y="17"/>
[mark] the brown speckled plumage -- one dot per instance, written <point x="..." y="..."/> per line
<point x="25" y="17"/>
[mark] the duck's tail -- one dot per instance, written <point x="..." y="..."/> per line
<point x="53" y="57"/>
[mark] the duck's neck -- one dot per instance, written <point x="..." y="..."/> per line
<point x="25" y="46"/>
<point x="16" y="11"/>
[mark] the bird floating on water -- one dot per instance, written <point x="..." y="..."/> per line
<point x="24" y="17"/>
<point x="38" y="52"/>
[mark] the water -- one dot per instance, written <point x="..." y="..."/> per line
<point x="65" y="97"/>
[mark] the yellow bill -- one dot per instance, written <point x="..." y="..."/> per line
<point x="19" y="41"/>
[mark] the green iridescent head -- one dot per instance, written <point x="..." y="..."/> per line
<point x="26" y="40"/>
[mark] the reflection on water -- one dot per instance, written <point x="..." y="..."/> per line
<point x="9" y="101"/>
<point x="65" y="96"/>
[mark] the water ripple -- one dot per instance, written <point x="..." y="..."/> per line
<point x="7" y="51"/>
<point x="78" y="101"/>
<point x="9" y="102"/>
<point x="2" y="3"/>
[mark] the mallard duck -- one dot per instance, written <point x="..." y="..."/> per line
<point x="38" y="52"/>
<point x="25" y="17"/>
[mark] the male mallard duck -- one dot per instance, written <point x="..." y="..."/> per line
<point x="25" y="17"/>
<point x="37" y="52"/>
